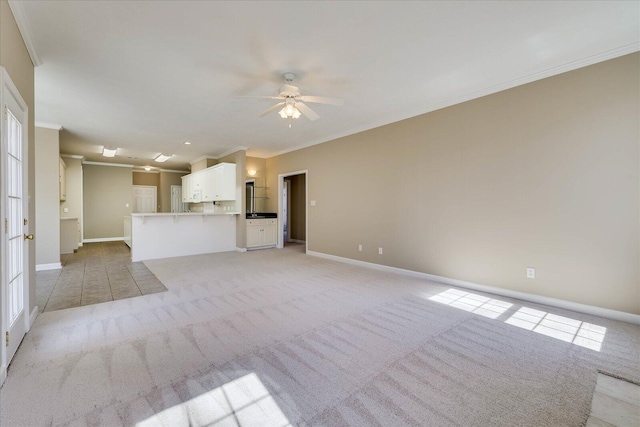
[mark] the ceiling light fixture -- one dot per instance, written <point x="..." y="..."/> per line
<point x="187" y="143"/>
<point x="162" y="157"/>
<point x="109" y="152"/>
<point x="147" y="168"/>
<point x="289" y="111"/>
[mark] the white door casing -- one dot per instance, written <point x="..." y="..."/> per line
<point x="176" y="199"/>
<point x="281" y="178"/>
<point x="144" y="199"/>
<point x="14" y="247"/>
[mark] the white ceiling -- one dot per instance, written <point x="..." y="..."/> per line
<point x="145" y="76"/>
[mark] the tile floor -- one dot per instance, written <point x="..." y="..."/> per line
<point x="615" y="403"/>
<point x="98" y="272"/>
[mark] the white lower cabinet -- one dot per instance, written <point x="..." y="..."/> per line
<point x="262" y="232"/>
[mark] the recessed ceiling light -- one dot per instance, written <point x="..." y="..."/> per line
<point x="187" y="143"/>
<point x="162" y="157"/>
<point x="109" y="151"/>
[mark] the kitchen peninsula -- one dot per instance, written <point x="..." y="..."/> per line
<point x="164" y="235"/>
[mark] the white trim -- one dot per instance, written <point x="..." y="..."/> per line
<point x="620" y="316"/>
<point x="32" y="317"/>
<point x="72" y="156"/>
<point x="52" y="266"/>
<point x="3" y="373"/>
<point x="48" y="126"/>
<point x="174" y="171"/>
<point x="241" y="249"/>
<point x="103" y="239"/>
<point x="201" y="158"/>
<point x="297" y="241"/>
<point x="281" y="177"/>
<point x="144" y="171"/>
<point x="389" y="119"/>
<point x="233" y="150"/>
<point x="23" y="26"/>
<point x="219" y="156"/>
<point x="119" y="165"/>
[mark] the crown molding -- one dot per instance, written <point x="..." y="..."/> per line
<point x="72" y="156"/>
<point x="173" y="171"/>
<point x="219" y="156"/>
<point x="144" y="171"/>
<point x="118" y="165"/>
<point x="201" y="158"/>
<point x="21" y="20"/>
<point x="233" y="150"/>
<point x="48" y="126"/>
<point x="550" y="72"/>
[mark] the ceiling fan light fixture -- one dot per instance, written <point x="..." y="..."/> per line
<point x="162" y="157"/>
<point x="289" y="111"/>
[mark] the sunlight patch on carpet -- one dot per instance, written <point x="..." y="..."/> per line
<point x="241" y="402"/>
<point x="561" y="328"/>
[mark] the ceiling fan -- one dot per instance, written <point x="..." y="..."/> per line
<point x="292" y="103"/>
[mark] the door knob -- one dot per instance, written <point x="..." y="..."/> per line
<point x="28" y="237"/>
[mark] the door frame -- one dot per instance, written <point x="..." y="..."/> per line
<point x="29" y="316"/>
<point x="281" y="178"/>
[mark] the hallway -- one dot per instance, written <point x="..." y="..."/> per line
<point x="98" y="272"/>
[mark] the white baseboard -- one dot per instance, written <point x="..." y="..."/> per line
<point x="79" y="244"/>
<point x="32" y="317"/>
<point x="296" y="241"/>
<point x="538" y="299"/>
<point x="241" y="249"/>
<point x="104" y="239"/>
<point x="52" y="266"/>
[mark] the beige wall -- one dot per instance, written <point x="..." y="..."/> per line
<point x="544" y="175"/>
<point x="15" y="59"/>
<point x="203" y="164"/>
<point x="297" y="228"/>
<point x="167" y="179"/>
<point x="257" y="164"/>
<point x="47" y="168"/>
<point x="146" y="178"/>
<point x="107" y="189"/>
<point x="74" y="193"/>
<point x="239" y="158"/>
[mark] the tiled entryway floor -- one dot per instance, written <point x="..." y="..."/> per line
<point x="98" y="272"/>
<point x="615" y="403"/>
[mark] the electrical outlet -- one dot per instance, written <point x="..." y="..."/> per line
<point x="360" y="248"/>
<point x="65" y="210"/>
<point x="531" y="273"/>
<point x="379" y="251"/>
<point x="313" y="203"/>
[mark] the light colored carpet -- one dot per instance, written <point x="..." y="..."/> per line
<point x="277" y="337"/>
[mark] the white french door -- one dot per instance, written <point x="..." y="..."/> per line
<point x="15" y="253"/>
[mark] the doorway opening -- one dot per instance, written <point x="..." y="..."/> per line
<point x="292" y="209"/>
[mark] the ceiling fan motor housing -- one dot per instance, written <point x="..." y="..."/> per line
<point x="289" y="91"/>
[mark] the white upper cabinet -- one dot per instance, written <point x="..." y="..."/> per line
<point x="216" y="183"/>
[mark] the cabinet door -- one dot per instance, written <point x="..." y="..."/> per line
<point x="270" y="233"/>
<point x="186" y="188"/>
<point x="254" y="235"/>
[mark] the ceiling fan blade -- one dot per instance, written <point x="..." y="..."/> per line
<point x="275" y="107"/>
<point x="260" y="97"/>
<point x="322" y="100"/>
<point x="311" y="115"/>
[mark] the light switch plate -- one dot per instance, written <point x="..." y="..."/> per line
<point x="313" y="203"/>
<point x="531" y="273"/>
